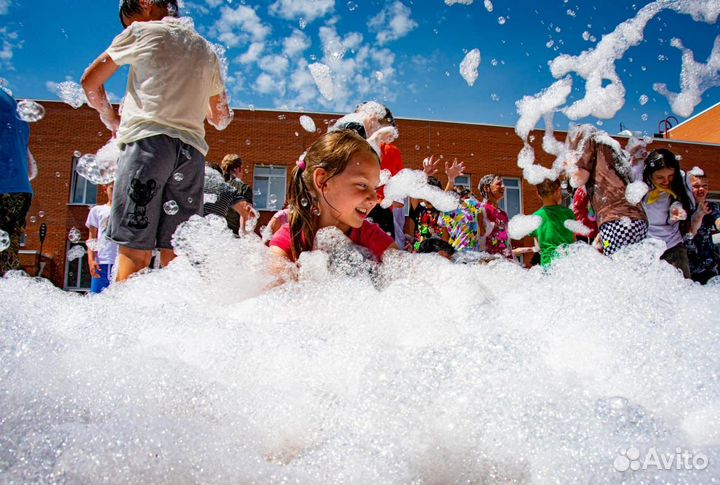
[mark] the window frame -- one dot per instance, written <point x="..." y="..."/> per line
<point x="74" y="180"/>
<point x="83" y="268"/>
<point x="461" y="184"/>
<point x="256" y="186"/>
<point x="503" y="202"/>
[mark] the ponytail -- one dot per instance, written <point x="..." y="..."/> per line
<point x="303" y="223"/>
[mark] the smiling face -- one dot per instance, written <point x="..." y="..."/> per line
<point x="347" y="198"/>
<point x="663" y="178"/>
<point x="700" y="188"/>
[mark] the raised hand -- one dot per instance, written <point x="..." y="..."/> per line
<point x="454" y="170"/>
<point x="430" y="166"/>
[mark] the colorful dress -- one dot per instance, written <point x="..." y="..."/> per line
<point x="497" y="241"/>
<point x="462" y="225"/>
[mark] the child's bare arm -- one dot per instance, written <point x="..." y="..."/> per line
<point x="220" y="115"/>
<point x="93" y="81"/>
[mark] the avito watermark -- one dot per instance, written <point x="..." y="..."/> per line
<point x="631" y="459"/>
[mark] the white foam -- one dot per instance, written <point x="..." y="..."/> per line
<point x="695" y="79"/>
<point x="469" y="66"/>
<point x="635" y="191"/>
<point x="69" y="92"/>
<point x="577" y="227"/>
<point x="199" y="372"/>
<point x="522" y="225"/>
<point x="307" y="123"/>
<point x="322" y="75"/>
<point x="413" y="183"/>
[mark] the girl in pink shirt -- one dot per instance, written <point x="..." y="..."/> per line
<point x="334" y="184"/>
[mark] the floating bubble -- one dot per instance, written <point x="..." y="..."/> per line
<point x="643" y="100"/>
<point x="352" y="6"/>
<point x="417" y="147"/>
<point x="248" y="142"/>
<point x="304" y="202"/>
<point x="281" y="117"/>
<point x="501" y="20"/>
<point x="251" y="107"/>
<point x="171" y="207"/>
<point x="77" y="154"/>
<point x="41" y="214"/>
<point x="190" y="200"/>
<point x="32" y="219"/>
<point x="74" y="235"/>
<point x="30" y="111"/>
<point x="469" y="66"/>
<point x="307" y="123"/>
<point x="272" y="200"/>
<point x="4" y="240"/>
<point x="76" y="252"/>
<point x="178" y="177"/>
<point x="644" y="117"/>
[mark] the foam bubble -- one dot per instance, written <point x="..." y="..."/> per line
<point x="74" y="235"/>
<point x="322" y="75"/>
<point x="76" y="252"/>
<point x="69" y="92"/>
<point x="522" y="225"/>
<point x="469" y="66"/>
<point x="635" y="191"/>
<point x="30" y="111"/>
<point x="577" y="227"/>
<point x="307" y="123"/>
<point x="413" y="183"/>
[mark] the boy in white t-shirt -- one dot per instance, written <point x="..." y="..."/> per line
<point x="175" y="83"/>
<point x="101" y="251"/>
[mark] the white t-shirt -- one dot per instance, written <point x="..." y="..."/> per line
<point x="98" y="218"/>
<point x="173" y="74"/>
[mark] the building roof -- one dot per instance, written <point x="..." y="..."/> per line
<point x="704" y="127"/>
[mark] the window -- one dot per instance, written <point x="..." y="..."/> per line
<point x="269" y="183"/>
<point x="512" y="202"/>
<point x="463" y="181"/>
<point x="82" y="192"/>
<point x="77" y="273"/>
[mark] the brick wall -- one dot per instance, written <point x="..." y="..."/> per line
<point x="267" y="137"/>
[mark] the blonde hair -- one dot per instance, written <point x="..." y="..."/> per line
<point x="331" y="152"/>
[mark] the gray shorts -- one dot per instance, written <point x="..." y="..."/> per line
<point x="153" y="172"/>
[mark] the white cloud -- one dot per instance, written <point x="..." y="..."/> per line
<point x="240" y="25"/>
<point x="9" y="41"/>
<point x="307" y="10"/>
<point x="4" y="6"/>
<point x="214" y="3"/>
<point x="266" y="84"/>
<point x="252" y="54"/>
<point x="274" y="65"/>
<point x="392" y="23"/>
<point x="297" y="43"/>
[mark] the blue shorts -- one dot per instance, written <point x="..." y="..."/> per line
<point x="99" y="284"/>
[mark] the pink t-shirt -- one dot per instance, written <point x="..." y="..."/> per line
<point x="369" y="235"/>
<point x="497" y="242"/>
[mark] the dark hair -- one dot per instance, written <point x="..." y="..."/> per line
<point x="130" y="8"/>
<point x="331" y="152"/>
<point x="547" y="187"/>
<point x="230" y="162"/>
<point x="663" y="158"/>
<point x="434" y="182"/>
<point x="435" y="245"/>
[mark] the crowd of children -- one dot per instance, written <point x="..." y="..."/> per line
<point x="163" y="180"/>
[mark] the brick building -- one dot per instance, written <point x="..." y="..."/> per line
<point x="704" y="127"/>
<point x="269" y="143"/>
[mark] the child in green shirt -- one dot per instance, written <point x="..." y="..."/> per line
<point x="552" y="233"/>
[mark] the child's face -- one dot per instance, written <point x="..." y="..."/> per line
<point x="347" y="199"/>
<point x="700" y="187"/>
<point x="663" y="178"/>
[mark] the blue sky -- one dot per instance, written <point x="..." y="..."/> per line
<point x="401" y="52"/>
